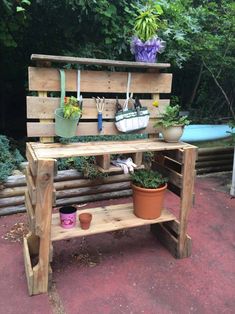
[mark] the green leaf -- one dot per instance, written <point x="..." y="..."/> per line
<point x="25" y="2"/>
<point x="19" y="9"/>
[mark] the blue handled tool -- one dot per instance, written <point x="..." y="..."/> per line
<point x="100" y="107"/>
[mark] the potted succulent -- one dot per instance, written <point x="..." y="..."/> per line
<point x="145" y="44"/>
<point x="67" y="117"/>
<point x="171" y="123"/>
<point x="148" y="193"/>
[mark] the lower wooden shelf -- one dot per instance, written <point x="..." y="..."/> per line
<point x="104" y="219"/>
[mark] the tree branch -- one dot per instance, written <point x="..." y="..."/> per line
<point x="221" y="89"/>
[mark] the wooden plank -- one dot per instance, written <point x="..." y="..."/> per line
<point x="137" y="158"/>
<point x="103" y="161"/>
<point x="28" y="266"/>
<point x="168" y="239"/>
<point x="99" y="81"/>
<point x="57" y="150"/>
<point x="44" y="107"/>
<point x="30" y="212"/>
<point x="103" y="62"/>
<point x="173" y="176"/>
<point x="186" y="197"/>
<point x="32" y="159"/>
<point x="43" y="212"/>
<point x="45" y="121"/>
<point x="104" y="219"/>
<point x="35" y="129"/>
<point x="31" y="186"/>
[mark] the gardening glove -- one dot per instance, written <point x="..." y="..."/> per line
<point x="130" y="164"/>
<point x="127" y="165"/>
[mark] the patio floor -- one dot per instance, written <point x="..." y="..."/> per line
<point x="129" y="271"/>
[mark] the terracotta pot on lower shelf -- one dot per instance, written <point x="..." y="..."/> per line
<point x="85" y="220"/>
<point x="148" y="203"/>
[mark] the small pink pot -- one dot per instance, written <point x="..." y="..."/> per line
<point x="68" y="216"/>
<point x="85" y="220"/>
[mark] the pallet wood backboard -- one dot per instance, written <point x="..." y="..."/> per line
<point x="41" y="108"/>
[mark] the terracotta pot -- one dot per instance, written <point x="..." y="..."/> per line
<point x="148" y="203"/>
<point x="173" y="133"/>
<point x="85" y="220"/>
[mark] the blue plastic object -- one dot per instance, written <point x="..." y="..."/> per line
<point x="205" y="132"/>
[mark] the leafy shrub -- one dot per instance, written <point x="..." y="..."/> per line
<point x="148" y="179"/>
<point x="10" y="158"/>
<point x="86" y="165"/>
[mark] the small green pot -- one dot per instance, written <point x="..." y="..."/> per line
<point x="65" y="127"/>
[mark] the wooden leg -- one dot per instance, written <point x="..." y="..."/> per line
<point x="173" y="234"/>
<point x="43" y="212"/>
<point x="187" y="190"/>
<point x="168" y="234"/>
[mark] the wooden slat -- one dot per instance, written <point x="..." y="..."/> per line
<point x="103" y="161"/>
<point x="103" y="62"/>
<point x="44" y="107"/>
<point x="45" y="120"/>
<point x="137" y="158"/>
<point x="30" y="155"/>
<point x="48" y="79"/>
<point x="43" y="212"/>
<point x="36" y="129"/>
<point x="30" y="212"/>
<point x="173" y="176"/>
<point x="170" y="241"/>
<point x="57" y="150"/>
<point x="28" y="266"/>
<point x="104" y="219"/>
<point x="186" y="195"/>
<point x="31" y="186"/>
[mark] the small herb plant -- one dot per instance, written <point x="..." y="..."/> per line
<point x="171" y="116"/>
<point x="148" y="179"/>
<point x="71" y="108"/>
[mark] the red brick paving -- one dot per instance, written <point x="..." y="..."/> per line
<point x="129" y="271"/>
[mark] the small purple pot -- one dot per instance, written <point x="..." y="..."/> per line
<point x="68" y="216"/>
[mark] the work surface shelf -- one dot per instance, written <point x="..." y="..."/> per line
<point x="104" y="219"/>
<point x="57" y="150"/>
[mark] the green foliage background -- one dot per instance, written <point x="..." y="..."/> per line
<point x="200" y="46"/>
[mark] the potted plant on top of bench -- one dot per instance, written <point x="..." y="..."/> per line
<point x="145" y="44"/>
<point x="171" y="123"/>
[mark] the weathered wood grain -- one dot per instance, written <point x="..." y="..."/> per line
<point x="99" y="81"/>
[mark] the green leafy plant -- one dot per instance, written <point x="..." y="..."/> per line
<point x="171" y="116"/>
<point x="10" y="158"/>
<point x="148" y="179"/>
<point x="147" y="21"/>
<point x="71" y="108"/>
<point x="86" y="165"/>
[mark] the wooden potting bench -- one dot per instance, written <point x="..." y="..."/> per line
<point x="177" y="160"/>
